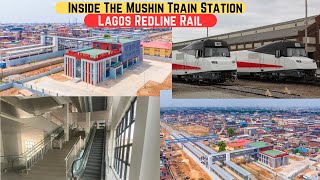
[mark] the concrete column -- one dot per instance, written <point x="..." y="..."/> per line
<point x="43" y="39"/>
<point x="228" y="157"/>
<point x="88" y="119"/>
<point x="104" y="70"/>
<point x="66" y="121"/>
<point x="65" y="65"/>
<point x="95" y="73"/>
<point x="55" y="43"/>
<point x="82" y="70"/>
<point x="146" y="142"/>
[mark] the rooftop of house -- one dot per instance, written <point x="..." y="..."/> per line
<point x="273" y="152"/>
<point x="239" y="142"/>
<point x="158" y="44"/>
<point x="114" y="40"/>
<point x="94" y="52"/>
<point x="259" y="144"/>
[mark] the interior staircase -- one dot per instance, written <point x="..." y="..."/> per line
<point x="93" y="167"/>
<point x="51" y="167"/>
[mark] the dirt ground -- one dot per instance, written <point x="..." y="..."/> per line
<point x="188" y="167"/>
<point x="152" y="88"/>
<point x="42" y="70"/>
<point x="257" y="171"/>
<point x="196" y="130"/>
<point x="306" y="91"/>
<point x="59" y="77"/>
<point x="10" y="92"/>
<point x="295" y="158"/>
<point x="184" y="165"/>
<point x="299" y="176"/>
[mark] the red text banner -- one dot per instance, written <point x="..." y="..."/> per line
<point x="150" y="20"/>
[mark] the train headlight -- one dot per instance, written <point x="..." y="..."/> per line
<point x="214" y="62"/>
<point x="298" y="61"/>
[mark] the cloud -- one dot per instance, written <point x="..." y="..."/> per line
<point x="259" y="13"/>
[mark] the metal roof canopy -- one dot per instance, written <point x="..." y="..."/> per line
<point x="27" y="50"/>
<point x="238" y="168"/>
<point x="218" y="170"/>
<point x="256" y="37"/>
<point x="20" y="47"/>
<point x="191" y="139"/>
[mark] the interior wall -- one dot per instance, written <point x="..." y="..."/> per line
<point x="145" y="149"/>
<point x="146" y="141"/>
<point x="30" y="134"/>
<point x="150" y="168"/>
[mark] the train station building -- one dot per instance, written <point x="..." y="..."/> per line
<point x="107" y="58"/>
<point x="256" y="37"/>
<point x="269" y="156"/>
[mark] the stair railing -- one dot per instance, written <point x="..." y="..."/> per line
<point x="58" y="143"/>
<point x="79" y="164"/>
<point x="72" y="155"/>
<point x="103" y="162"/>
<point x="27" y="159"/>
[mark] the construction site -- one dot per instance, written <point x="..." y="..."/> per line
<point x="192" y="152"/>
<point x="53" y="67"/>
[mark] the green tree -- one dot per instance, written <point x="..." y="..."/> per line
<point x="273" y="121"/>
<point x="222" y="146"/>
<point x="295" y="151"/>
<point x="106" y="36"/>
<point x="231" y="132"/>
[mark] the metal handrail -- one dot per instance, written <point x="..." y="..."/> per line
<point x="74" y="151"/>
<point x="37" y="152"/>
<point x="87" y="149"/>
<point x="103" y="162"/>
<point x="38" y="144"/>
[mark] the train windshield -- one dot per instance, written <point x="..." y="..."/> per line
<point x="216" y="52"/>
<point x="296" y="52"/>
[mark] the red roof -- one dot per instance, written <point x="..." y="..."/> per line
<point x="239" y="142"/>
<point x="157" y="44"/>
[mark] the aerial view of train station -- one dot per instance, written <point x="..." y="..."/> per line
<point x="280" y="60"/>
<point x="263" y="139"/>
<point x="57" y="138"/>
<point x="68" y="59"/>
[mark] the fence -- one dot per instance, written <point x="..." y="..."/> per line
<point x="39" y="57"/>
<point x="41" y="74"/>
<point x="72" y="155"/>
<point x="57" y="143"/>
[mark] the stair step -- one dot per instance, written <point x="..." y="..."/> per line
<point x="90" y="177"/>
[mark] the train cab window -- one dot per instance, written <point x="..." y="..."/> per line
<point x="216" y="52"/>
<point x="198" y="53"/>
<point x="296" y="52"/>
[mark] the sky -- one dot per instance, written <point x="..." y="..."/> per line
<point x="259" y="13"/>
<point x="167" y="101"/>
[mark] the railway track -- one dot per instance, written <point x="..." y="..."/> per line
<point x="246" y="90"/>
<point x="257" y="91"/>
<point x="312" y="82"/>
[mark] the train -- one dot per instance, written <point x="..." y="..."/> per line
<point x="278" y="60"/>
<point x="205" y="60"/>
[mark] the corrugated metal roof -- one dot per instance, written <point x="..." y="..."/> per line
<point x="260" y="36"/>
<point x="221" y="172"/>
<point x="238" y="168"/>
<point x="283" y="33"/>
<point x="158" y="44"/>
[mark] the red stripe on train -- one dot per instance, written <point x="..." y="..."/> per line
<point x="241" y="64"/>
<point x="184" y="67"/>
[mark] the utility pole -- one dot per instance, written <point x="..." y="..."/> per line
<point x="306" y="28"/>
<point x="207" y="32"/>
